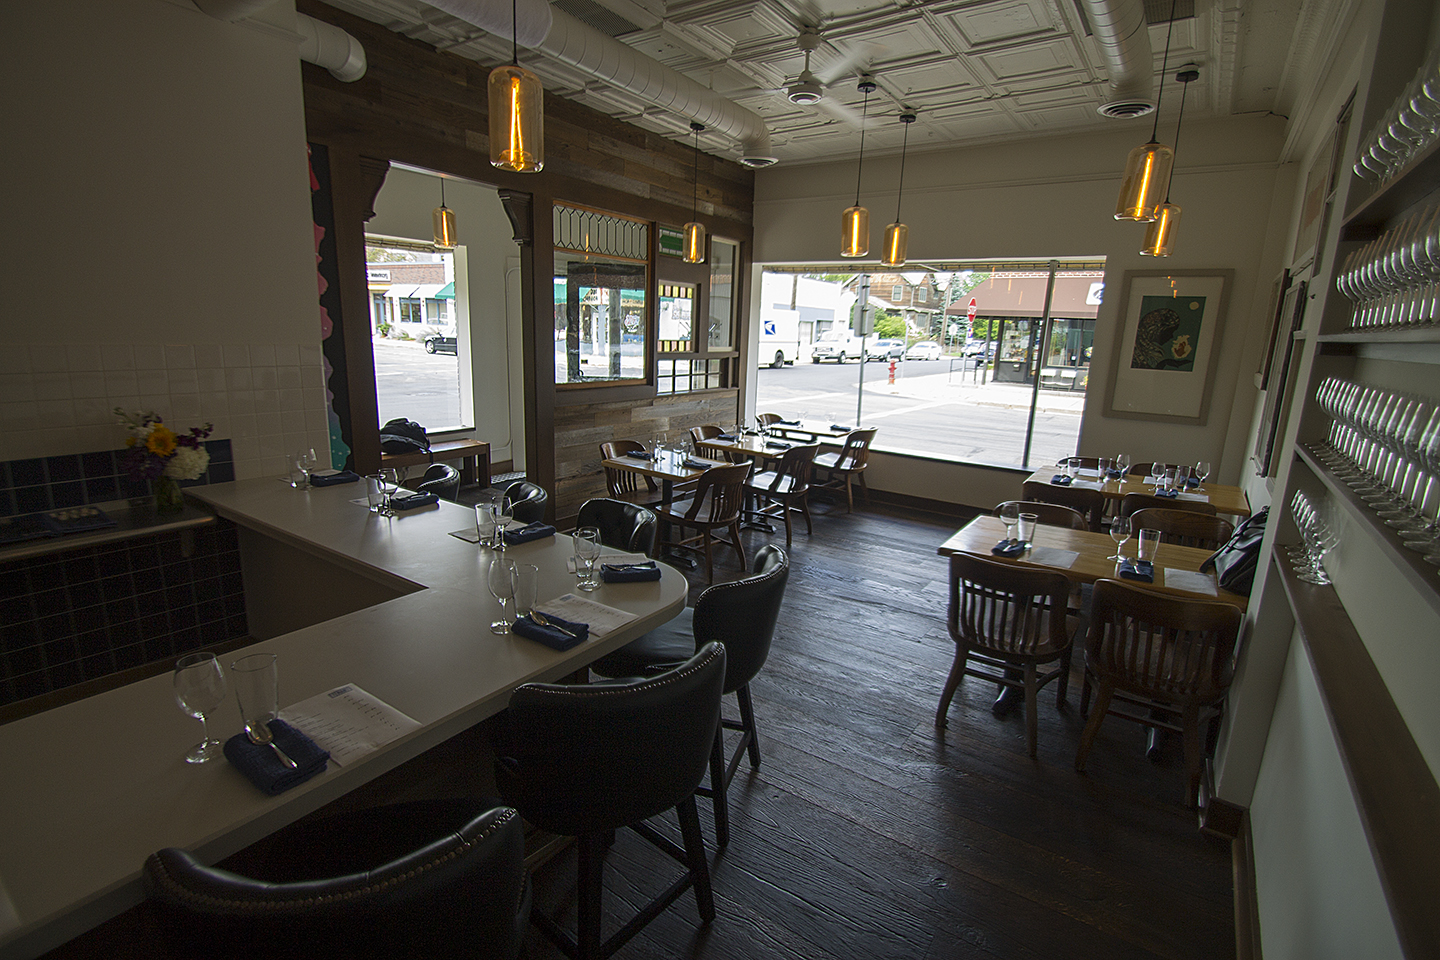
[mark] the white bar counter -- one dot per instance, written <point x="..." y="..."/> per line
<point x="394" y="605"/>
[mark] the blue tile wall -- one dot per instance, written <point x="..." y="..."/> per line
<point x="86" y="613"/>
<point x="76" y="479"/>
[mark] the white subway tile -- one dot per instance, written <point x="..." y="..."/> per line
<point x="16" y="387"/>
<point x="52" y="386"/>
<point x="239" y="378"/>
<point x="209" y="356"/>
<point x="262" y="354"/>
<point x="17" y="416"/>
<point x="47" y="358"/>
<point x="242" y="401"/>
<point x="152" y="381"/>
<point x="185" y="408"/>
<point x="84" y="357"/>
<point x="236" y="355"/>
<point x="121" y="385"/>
<point x="94" y="412"/>
<point x="58" y="413"/>
<point x="117" y="356"/>
<point x="87" y="385"/>
<point x="289" y="378"/>
<point x="179" y="356"/>
<point x="266" y="378"/>
<point x="14" y="361"/>
<point x="287" y="354"/>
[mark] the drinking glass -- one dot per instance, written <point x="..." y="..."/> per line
<point x="1103" y="464"/>
<point x="485" y="523"/>
<point x="1026" y="527"/>
<point x="1157" y="473"/>
<point x="1182" y="477"/>
<point x="587" y="552"/>
<point x="1119" y="532"/>
<point x="1202" y="472"/>
<point x="375" y="493"/>
<point x="527" y="584"/>
<point x="1122" y="464"/>
<point x="392" y="487"/>
<point x="1010" y="516"/>
<point x="257" y="689"/>
<point x="501" y="581"/>
<point x="199" y="689"/>
<point x="1146" y="543"/>
<point x="1167" y="479"/>
<point x="503" y="511"/>
<point x="307" y="462"/>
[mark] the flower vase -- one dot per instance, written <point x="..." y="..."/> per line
<point x="168" y="498"/>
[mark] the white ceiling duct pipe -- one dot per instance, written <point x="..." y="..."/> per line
<point x="559" y="35"/>
<point x="1120" y="29"/>
<point x="321" y="43"/>
<point x="326" y="45"/>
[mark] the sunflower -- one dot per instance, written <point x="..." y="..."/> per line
<point x="161" y="441"/>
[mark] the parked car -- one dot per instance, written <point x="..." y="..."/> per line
<point x="439" y="343"/>
<point x="885" y="350"/>
<point x="836" y="345"/>
<point x="924" y="350"/>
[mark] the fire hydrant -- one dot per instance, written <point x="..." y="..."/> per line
<point x="892" y="373"/>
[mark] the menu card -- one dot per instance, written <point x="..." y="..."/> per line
<point x="348" y="722"/>
<point x="598" y="616"/>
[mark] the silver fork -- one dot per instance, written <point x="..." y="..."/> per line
<point x="260" y="733"/>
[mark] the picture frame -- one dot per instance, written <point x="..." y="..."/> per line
<point x="1171" y="322"/>
<point x="1314" y="204"/>
<point x="1284" y="361"/>
<point x="1277" y="314"/>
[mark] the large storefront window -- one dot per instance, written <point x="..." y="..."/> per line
<point x="987" y="378"/>
<point x="415" y="334"/>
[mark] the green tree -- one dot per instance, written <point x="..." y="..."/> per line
<point x="889" y="324"/>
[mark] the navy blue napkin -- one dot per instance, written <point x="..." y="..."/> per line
<point x="839" y="429"/>
<point x="1009" y="548"/>
<point x="258" y="762"/>
<point x="1060" y="480"/>
<point x="726" y="436"/>
<point x="791" y="423"/>
<point x="1192" y="483"/>
<point x="639" y="455"/>
<point x="533" y="531"/>
<point x="551" y="635"/>
<point x="413" y="500"/>
<point x="1142" y="570"/>
<point x="694" y="464"/>
<point x="776" y="445"/>
<point x="1167" y="494"/>
<point x="1113" y="474"/>
<point x="629" y="572"/>
<point x="344" y="476"/>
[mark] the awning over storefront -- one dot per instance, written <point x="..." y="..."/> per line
<point x="446" y="292"/>
<point x="1077" y="297"/>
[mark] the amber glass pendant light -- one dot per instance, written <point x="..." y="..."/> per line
<point x="897" y="235"/>
<point x="1160" y="235"/>
<point x="517" y="112"/>
<point x="855" y="221"/>
<point x="444" y="221"/>
<point x="695" y="230"/>
<point x="1147" y="169"/>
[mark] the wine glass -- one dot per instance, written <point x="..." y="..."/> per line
<point x="1010" y="516"/>
<point x="392" y="487"/>
<point x="501" y="581"/>
<point x="503" y="511"/>
<point x="1157" y="473"/>
<point x="1119" y="532"/>
<point x="587" y="552"/>
<point x="1122" y="464"/>
<point x="199" y="689"/>
<point x="1202" y="471"/>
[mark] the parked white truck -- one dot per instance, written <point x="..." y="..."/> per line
<point x="779" y="342"/>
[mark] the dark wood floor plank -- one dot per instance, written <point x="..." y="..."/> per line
<point x="867" y="832"/>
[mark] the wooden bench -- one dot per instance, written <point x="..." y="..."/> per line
<point x="474" y="457"/>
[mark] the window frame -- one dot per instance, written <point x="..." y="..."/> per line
<point x="648" y="314"/>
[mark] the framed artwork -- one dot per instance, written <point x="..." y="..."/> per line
<point x="1278" y="386"/>
<point x="1314" y="203"/>
<point x="1278" y="302"/>
<point x="1170" y="326"/>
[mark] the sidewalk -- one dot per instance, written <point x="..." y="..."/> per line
<point x="963" y="389"/>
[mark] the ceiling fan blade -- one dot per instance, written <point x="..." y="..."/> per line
<point x="860" y="53"/>
<point x="841" y="111"/>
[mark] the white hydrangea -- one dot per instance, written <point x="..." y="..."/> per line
<point x="187" y="463"/>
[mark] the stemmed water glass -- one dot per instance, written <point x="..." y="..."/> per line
<point x="1119" y="532"/>
<point x="1202" y="472"/>
<point x="587" y="553"/>
<point x="1157" y="473"/>
<point x="1122" y="464"/>
<point x="503" y="511"/>
<point x="199" y="689"/>
<point x="1010" y="516"/>
<point x="501" y="581"/>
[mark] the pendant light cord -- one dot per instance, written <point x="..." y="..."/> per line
<point x="695" y="196"/>
<point x="904" y="145"/>
<point x="865" y="109"/>
<point x="442" y="193"/>
<point x="515" y="32"/>
<point x="1184" y="89"/>
<point x="1164" y="66"/>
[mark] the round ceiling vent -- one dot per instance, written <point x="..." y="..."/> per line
<point x="1123" y="109"/>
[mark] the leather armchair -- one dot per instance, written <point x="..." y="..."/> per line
<point x="442" y="480"/>
<point x="624" y="526"/>
<point x="427" y="878"/>
<point x="527" y="500"/>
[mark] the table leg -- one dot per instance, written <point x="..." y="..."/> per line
<point x="667" y="494"/>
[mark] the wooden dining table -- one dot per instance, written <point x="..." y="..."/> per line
<point x="1226" y="499"/>
<point x="1083" y="557"/>
<point x="811" y="430"/>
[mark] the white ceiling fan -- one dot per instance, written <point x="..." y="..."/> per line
<point x="809" y="87"/>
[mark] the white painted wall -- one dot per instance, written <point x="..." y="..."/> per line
<point x="158" y="225"/>
<point x="489" y="358"/>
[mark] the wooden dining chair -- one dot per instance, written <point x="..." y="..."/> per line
<point x="1186" y="528"/>
<point x="768" y="419"/>
<point x="1007" y="618"/>
<point x="1054" y="514"/>
<point x="840" y="468"/>
<point x="1090" y="503"/>
<point x="625" y="484"/>
<point x="785" y="489"/>
<point x="714" y="505"/>
<point x="709" y="431"/>
<point x="1141" y="501"/>
<point x="1165" y="657"/>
